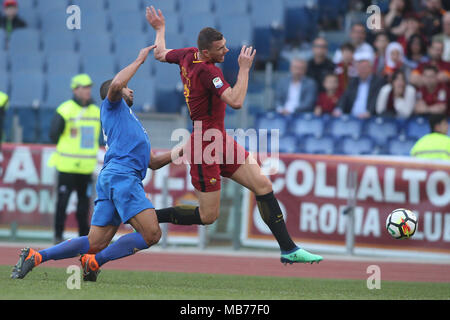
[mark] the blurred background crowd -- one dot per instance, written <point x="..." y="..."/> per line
<point x="326" y="78"/>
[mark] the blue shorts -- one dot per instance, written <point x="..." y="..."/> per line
<point x="120" y="196"/>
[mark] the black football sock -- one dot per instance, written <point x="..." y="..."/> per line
<point x="271" y="214"/>
<point x="181" y="215"/>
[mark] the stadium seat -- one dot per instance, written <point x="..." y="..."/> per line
<point x="175" y="41"/>
<point x="314" y="145"/>
<point x="144" y="93"/>
<point x="4" y="82"/>
<point x="345" y="126"/>
<point x="237" y="30"/>
<point x="417" y="127"/>
<point x="104" y="66"/>
<point x="303" y="126"/>
<point x="400" y="146"/>
<point x="42" y="7"/>
<point x="193" y="23"/>
<point x="91" y="6"/>
<point x="2" y="40"/>
<point x="29" y="123"/>
<point x="359" y="146"/>
<point x="230" y="66"/>
<point x="168" y="101"/>
<point x="24" y="40"/>
<point x="94" y="22"/>
<point x="115" y="7"/>
<point x="268" y="42"/>
<point x="58" y="40"/>
<point x="128" y="47"/>
<point x="272" y="121"/>
<point x="45" y="117"/>
<point x="58" y="90"/>
<point x="288" y="144"/>
<point x="167" y="75"/>
<point x="55" y="19"/>
<point x="300" y="24"/>
<point x="64" y="62"/>
<point x="27" y="89"/>
<point x="3" y="62"/>
<point x="30" y="17"/>
<point x="163" y="5"/>
<point x="200" y="6"/>
<point x="95" y="43"/>
<point x="128" y="22"/>
<point x="8" y="123"/>
<point x="381" y="130"/>
<point x="173" y="22"/>
<point x="231" y="7"/>
<point x="26" y="62"/>
<point x="266" y="13"/>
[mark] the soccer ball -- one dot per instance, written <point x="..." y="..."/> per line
<point x="401" y="223"/>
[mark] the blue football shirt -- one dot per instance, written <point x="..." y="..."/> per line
<point x="126" y="139"/>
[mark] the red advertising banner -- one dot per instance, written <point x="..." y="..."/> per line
<point x="313" y="191"/>
<point x="28" y="190"/>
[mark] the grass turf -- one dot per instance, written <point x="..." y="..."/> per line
<point x="50" y="283"/>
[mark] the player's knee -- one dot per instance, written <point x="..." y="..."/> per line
<point x="95" y="247"/>
<point x="152" y="236"/>
<point x="209" y="216"/>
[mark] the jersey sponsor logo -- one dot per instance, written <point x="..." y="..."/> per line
<point x="217" y="83"/>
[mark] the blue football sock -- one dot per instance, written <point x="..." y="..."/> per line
<point x="124" y="246"/>
<point x="67" y="249"/>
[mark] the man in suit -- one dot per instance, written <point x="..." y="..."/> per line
<point x="360" y="97"/>
<point x="297" y="92"/>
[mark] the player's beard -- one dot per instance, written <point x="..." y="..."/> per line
<point x="129" y="101"/>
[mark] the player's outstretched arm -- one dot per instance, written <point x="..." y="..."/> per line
<point x="158" y="22"/>
<point x="235" y="96"/>
<point x="158" y="161"/>
<point x="121" y="79"/>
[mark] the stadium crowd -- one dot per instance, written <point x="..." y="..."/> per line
<point x="399" y="69"/>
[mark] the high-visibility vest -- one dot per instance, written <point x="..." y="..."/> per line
<point x="432" y="146"/>
<point x="4" y="100"/>
<point x="76" y="151"/>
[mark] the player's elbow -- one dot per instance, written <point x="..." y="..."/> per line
<point x="236" y="105"/>
<point x="159" y="55"/>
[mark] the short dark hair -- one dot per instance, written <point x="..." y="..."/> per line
<point x="206" y="37"/>
<point x="348" y="46"/>
<point x="430" y="67"/>
<point x="104" y="88"/>
<point x="435" y="119"/>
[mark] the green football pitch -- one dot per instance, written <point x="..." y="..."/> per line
<point x="51" y="283"/>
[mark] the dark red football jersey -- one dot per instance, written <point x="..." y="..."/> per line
<point x="203" y="85"/>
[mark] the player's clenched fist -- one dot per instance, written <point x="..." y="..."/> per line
<point x="246" y="57"/>
<point x="155" y="19"/>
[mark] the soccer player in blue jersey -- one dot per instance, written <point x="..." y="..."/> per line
<point x="120" y="193"/>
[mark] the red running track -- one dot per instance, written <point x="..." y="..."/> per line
<point x="258" y="266"/>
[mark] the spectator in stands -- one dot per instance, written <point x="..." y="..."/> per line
<point x="435" y="54"/>
<point x="432" y="18"/>
<point x="412" y="27"/>
<point x="76" y="130"/>
<point x="394" y="60"/>
<point x="360" y="98"/>
<point x="394" y="18"/>
<point x="444" y="37"/>
<point x="416" y="52"/>
<point x="346" y="68"/>
<point x="358" y="40"/>
<point x="319" y="65"/>
<point x="10" y="19"/>
<point x="328" y="99"/>
<point x="297" y="92"/>
<point x="397" y="98"/>
<point x="381" y="42"/>
<point x="435" y="145"/>
<point x="4" y="99"/>
<point x="432" y="96"/>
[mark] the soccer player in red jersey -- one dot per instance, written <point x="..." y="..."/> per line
<point x="207" y="94"/>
